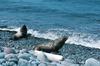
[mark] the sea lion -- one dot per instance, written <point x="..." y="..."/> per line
<point x="52" y="46"/>
<point x="22" y="33"/>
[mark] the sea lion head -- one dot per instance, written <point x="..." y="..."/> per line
<point x="64" y="38"/>
<point x="58" y="43"/>
<point x="23" y="30"/>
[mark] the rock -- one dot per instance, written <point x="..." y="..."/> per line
<point x="23" y="62"/>
<point x="2" y="55"/>
<point x="41" y="56"/>
<point x="67" y="62"/>
<point x="35" y="63"/>
<point x="2" y="61"/>
<point x="25" y="56"/>
<point x="48" y="56"/>
<point x="10" y="64"/>
<point x="60" y="65"/>
<point x="31" y="64"/>
<point x="92" y="62"/>
<point x="11" y="58"/>
<point x="9" y="50"/>
<point x="43" y="64"/>
<point x="31" y="52"/>
<point x="24" y="51"/>
<point x="1" y="49"/>
<point x="54" y="57"/>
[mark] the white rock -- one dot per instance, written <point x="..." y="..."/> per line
<point x="49" y="56"/>
<point x="92" y="62"/>
<point x="10" y="64"/>
<point x="54" y="57"/>
<point x="41" y="56"/>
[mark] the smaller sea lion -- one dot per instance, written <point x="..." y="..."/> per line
<point x="22" y="33"/>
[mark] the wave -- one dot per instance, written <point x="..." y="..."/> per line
<point x="83" y="39"/>
<point x="46" y="35"/>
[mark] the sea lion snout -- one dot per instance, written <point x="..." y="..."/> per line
<point x="65" y="38"/>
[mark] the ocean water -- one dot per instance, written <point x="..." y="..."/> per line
<point x="51" y="19"/>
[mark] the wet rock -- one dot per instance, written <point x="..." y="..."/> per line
<point x="92" y="62"/>
<point x="24" y="51"/>
<point x="9" y="50"/>
<point x="41" y="56"/>
<point x="2" y="61"/>
<point x="48" y="56"/>
<point x="2" y="55"/>
<point x="23" y="62"/>
<point x="42" y="64"/>
<point x="10" y="64"/>
<point x="52" y="64"/>
<point x="11" y="58"/>
<point x="25" y="56"/>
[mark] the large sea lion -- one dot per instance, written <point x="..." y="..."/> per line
<point x="22" y="33"/>
<point x="52" y="46"/>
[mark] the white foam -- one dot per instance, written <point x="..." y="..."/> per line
<point x="10" y="29"/>
<point x="84" y="40"/>
<point x="45" y="35"/>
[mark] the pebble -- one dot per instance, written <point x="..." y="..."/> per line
<point x="24" y="51"/>
<point x="2" y="61"/>
<point x="25" y="56"/>
<point x="11" y="58"/>
<point x="9" y="50"/>
<point x="42" y="64"/>
<point x="23" y="62"/>
<point x="92" y="62"/>
<point x="2" y="55"/>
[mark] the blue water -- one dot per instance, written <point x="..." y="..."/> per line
<point x="79" y="19"/>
